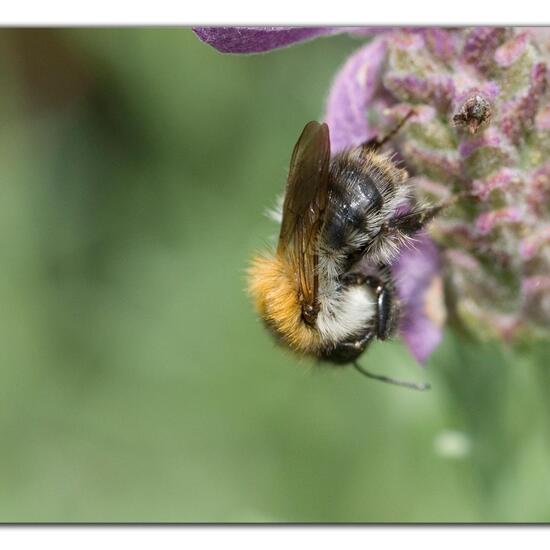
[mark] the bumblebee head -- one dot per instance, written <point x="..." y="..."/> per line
<point x="275" y="290"/>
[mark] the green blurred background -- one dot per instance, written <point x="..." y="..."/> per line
<point x="136" y="383"/>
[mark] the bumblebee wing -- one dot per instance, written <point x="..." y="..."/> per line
<point x="304" y="206"/>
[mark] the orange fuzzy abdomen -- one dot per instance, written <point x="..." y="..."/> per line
<point x="275" y="291"/>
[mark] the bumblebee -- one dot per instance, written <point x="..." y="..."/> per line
<point x="327" y="290"/>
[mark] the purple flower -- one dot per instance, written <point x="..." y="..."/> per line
<point x="419" y="284"/>
<point x="481" y="132"/>
<point x="257" y="39"/>
<point x="352" y="93"/>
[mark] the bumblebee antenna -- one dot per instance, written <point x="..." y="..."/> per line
<point x="389" y="380"/>
<point x="377" y="142"/>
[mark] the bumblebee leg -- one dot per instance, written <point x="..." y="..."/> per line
<point x="384" y="307"/>
<point x="347" y="352"/>
<point x="419" y="216"/>
<point x="385" y="313"/>
<point x="358" y="346"/>
<point x="414" y="221"/>
<point x="384" y="300"/>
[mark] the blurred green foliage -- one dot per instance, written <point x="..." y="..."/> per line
<point x="136" y="383"/>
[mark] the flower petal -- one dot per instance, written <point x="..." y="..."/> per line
<point x="419" y="286"/>
<point x="352" y="97"/>
<point x="259" y="39"/>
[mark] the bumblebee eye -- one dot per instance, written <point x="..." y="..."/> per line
<point x="309" y="314"/>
